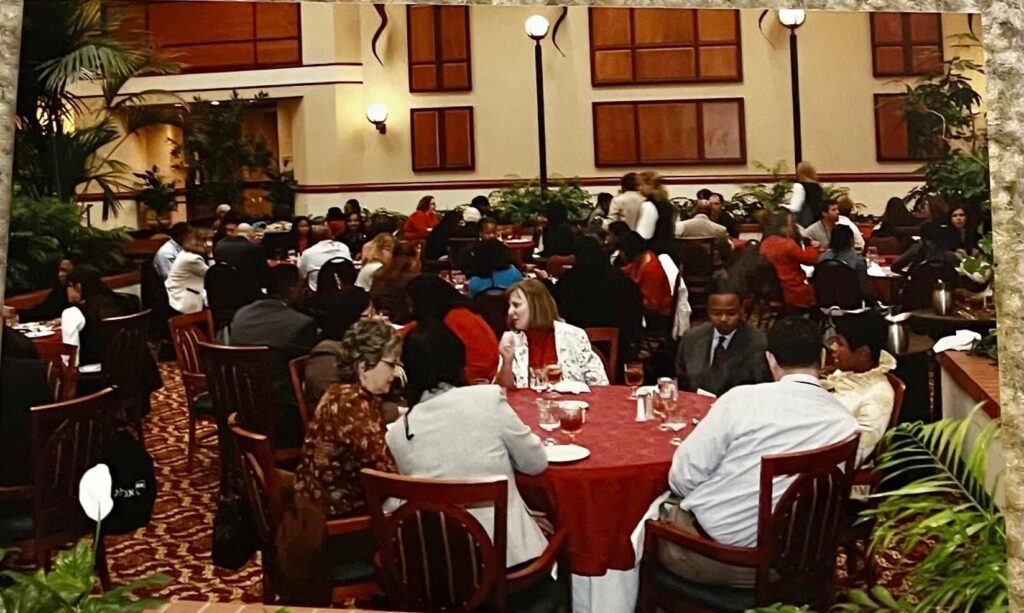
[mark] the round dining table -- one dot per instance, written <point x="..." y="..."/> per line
<point x="600" y="500"/>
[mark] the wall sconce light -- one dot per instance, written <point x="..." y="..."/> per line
<point x="537" y="27"/>
<point x="377" y="114"/>
<point x="792" y="18"/>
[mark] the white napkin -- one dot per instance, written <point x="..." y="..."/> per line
<point x="641" y="406"/>
<point x="808" y="270"/>
<point x="961" y="341"/>
<point x="701" y="392"/>
<point x="571" y="387"/>
<point x="874" y="270"/>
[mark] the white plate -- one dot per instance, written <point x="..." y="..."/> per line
<point x="90" y="368"/>
<point x="566" y="453"/>
<point x="39" y="333"/>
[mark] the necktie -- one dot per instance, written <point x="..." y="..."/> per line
<point x="719" y="350"/>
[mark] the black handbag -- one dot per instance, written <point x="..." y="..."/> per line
<point x="234" y="534"/>
<point x="134" y="483"/>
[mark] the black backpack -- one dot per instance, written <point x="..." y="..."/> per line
<point x="134" y="483"/>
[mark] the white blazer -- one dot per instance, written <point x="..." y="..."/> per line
<point x="472" y="433"/>
<point x="185" y="283"/>
<point x="575" y="354"/>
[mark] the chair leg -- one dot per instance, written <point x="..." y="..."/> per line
<point x="644" y="599"/>
<point x="191" y="439"/>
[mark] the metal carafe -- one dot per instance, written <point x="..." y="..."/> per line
<point x="942" y="298"/>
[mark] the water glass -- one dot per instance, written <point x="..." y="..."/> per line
<point x="570" y="420"/>
<point x="675" y="420"/>
<point x="538" y="379"/>
<point x="547" y="419"/>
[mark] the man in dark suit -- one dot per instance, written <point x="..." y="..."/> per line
<point x="725" y="352"/>
<point x="22" y="386"/>
<point x="289" y="334"/>
<point x="245" y="254"/>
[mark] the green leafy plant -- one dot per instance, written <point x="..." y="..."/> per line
<point x="522" y="203"/>
<point x="280" y="186"/>
<point x="987" y="346"/>
<point x="70" y="585"/>
<point x="45" y="230"/>
<point x="154" y="193"/>
<point x="946" y="510"/>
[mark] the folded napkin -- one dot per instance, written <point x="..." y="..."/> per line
<point x="642" y="394"/>
<point x="570" y="387"/>
<point x="961" y="341"/>
<point x="874" y="270"/>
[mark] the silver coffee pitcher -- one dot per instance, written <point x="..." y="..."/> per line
<point x="942" y="298"/>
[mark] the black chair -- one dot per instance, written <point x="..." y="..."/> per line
<point x="154" y="298"/>
<point x="459" y="249"/>
<point x="836" y="285"/>
<point x="335" y="274"/>
<point x="227" y="291"/>
<point x="917" y="291"/>
<point x="492" y="305"/>
<point x="696" y="260"/>
<point x="128" y="365"/>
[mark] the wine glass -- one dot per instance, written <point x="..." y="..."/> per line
<point x="674" y="420"/>
<point x="547" y="419"/>
<point x="570" y="420"/>
<point x="634" y="372"/>
<point x="538" y="379"/>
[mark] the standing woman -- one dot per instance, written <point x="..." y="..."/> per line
<point x="538" y="337"/>
<point x="376" y="254"/>
<point x="423" y="219"/>
<point x="302" y="234"/>
<point x="185" y="281"/>
<point x="657" y="221"/>
<point x="808" y="197"/>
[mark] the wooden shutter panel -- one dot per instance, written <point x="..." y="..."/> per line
<point x="458" y="139"/>
<point x="426" y="150"/>
<point x="442" y="139"/>
<point x="615" y="134"/>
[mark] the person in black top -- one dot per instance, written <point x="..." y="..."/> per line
<point x="56" y="301"/>
<point x="593" y="293"/>
<point x="808" y="196"/>
<point x="353" y="236"/>
<point x="935" y="244"/>
<point x="247" y="256"/>
<point x="723" y="217"/>
<point x="436" y="245"/>
<point x="966" y="238"/>
<point x="22" y="386"/>
<point x="558" y="236"/>
<point x="895" y="216"/>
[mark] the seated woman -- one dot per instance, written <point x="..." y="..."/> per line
<point x="422" y="220"/>
<point x="491" y="266"/>
<point x="436" y="246"/>
<point x="966" y="235"/>
<point x="346" y="432"/>
<point x="538" y="337"/>
<point x="185" y="280"/>
<point x="301" y="235"/>
<point x="859" y="381"/>
<point x="787" y="255"/>
<point x="933" y="246"/>
<point x="895" y="216"/>
<point x="557" y="236"/>
<point x="91" y="302"/>
<point x="434" y="300"/>
<point x="376" y="254"/>
<point x="353" y="236"/>
<point x="840" y="247"/>
<point x="388" y="290"/>
<point x="644" y="269"/>
<point x="454" y="431"/>
<point x="341" y="311"/>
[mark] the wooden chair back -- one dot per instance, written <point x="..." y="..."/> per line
<point x="605" y="342"/>
<point x="127" y="364"/>
<point x="297" y="370"/>
<point x="61" y="372"/>
<point x="457" y="249"/>
<point x="836" y="285"/>
<point x="335" y="274"/>
<point x="917" y="292"/>
<point x="240" y="380"/>
<point x="886" y="245"/>
<point x="434" y="555"/>
<point x="492" y="305"/>
<point x="68" y="438"/>
<point x="696" y="260"/>
<point x="283" y="275"/>
<point x="228" y="290"/>
<point x="187" y="331"/>
<point x="558" y="264"/>
<point x="797" y="537"/>
<point x="261" y="481"/>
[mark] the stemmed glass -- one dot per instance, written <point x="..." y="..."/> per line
<point x="634" y="372"/>
<point x="547" y="419"/>
<point x="570" y="421"/>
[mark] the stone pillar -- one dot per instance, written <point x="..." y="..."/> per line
<point x="10" y="47"/>
<point x="1003" y="22"/>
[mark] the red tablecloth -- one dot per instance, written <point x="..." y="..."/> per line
<point x="601" y="499"/>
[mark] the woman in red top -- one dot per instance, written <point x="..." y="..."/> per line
<point x="786" y="256"/>
<point x="644" y="269"/>
<point x="423" y="219"/>
<point x="433" y="299"/>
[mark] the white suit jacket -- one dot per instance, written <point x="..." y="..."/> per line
<point x="185" y="283"/>
<point x="577" y="357"/>
<point x="472" y="433"/>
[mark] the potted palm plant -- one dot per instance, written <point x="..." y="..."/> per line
<point x="156" y="197"/>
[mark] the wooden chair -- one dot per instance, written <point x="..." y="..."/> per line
<point x="68" y="438"/>
<point x="240" y="380"/>
<point x="866" y="474"/>
<point x="836" y="285"/>
<point x="492" y="305"/>
<point x="61" y="372"/>
<point x="796" y="540"/>
<point x="187" y="331"/>
<point x="265" y="487"/>
<point x="696" y="260"/>
<point x="609" y="338"/>
<point x="434" y="555"/>
<point x="886" y="245"/>
<point x="297" y="370"/>
<point x="128" y="365"/>
<point x="228" y="290"/>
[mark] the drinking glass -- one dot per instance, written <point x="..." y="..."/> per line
<point x="547" y="419"/>
<point x="634" y="372"/>
<point x="667" y="394"/>
<point x="872" y="254"/>
<point x="570" y="421"/>
<point x="675" y="420"/>
<point x="538" y="379"/>
<point x="554" y="372"/>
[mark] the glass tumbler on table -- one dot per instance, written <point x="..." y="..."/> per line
<point x="554" y="373"/>
<point x="634" y="374"/>
<point x="538" y="379"/>
<point x="570" y="420"/>
<point x="674" y="420"/>
<point x="547" y="419"/>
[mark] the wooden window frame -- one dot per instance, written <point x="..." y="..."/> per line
<point x="632" y="47"/>
<point x="908" y="45"/>
<point x="877" y="100"/>
<point x="443" y="167"/>
<point x="700" y="161"/>
<point x="255" y="40"/>
<point x="438" y="43"/>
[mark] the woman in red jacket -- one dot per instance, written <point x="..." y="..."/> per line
<point x="645" y="270"/>
<point x="423" y="219"/>
<point x="786" y="256"/>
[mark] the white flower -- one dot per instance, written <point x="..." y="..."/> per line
<point x="94" y="492"/>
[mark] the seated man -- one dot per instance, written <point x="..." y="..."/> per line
<point x="717" y="469"/>
<point x="821" y="231"/>
<point x="289" y="334"/>
<point x="726" y="351"/>
<point x="859" y="381"/>
<point x="243" y="251"/>
<point x="168" y="252"/>
<point x="325" y="248"/>
<point x="701" y="226"/>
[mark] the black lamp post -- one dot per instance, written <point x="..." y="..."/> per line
<point x="793" y="19"/>
<point x="537" y="29"/>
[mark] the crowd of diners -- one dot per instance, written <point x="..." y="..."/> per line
<point x="399" y="340"/>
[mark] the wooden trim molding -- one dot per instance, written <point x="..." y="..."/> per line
<point x="977" y="375"/>
<point x="31" y="299"/>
